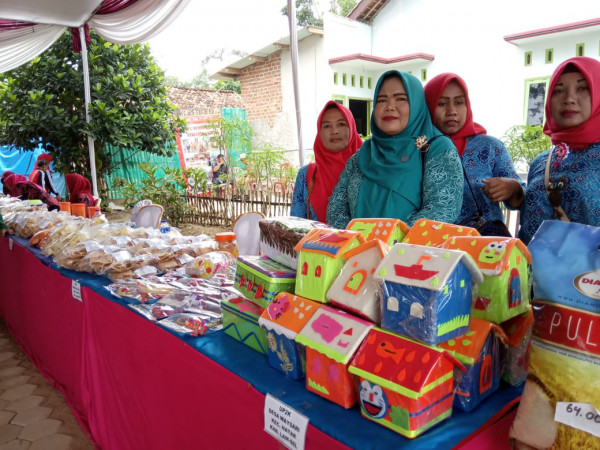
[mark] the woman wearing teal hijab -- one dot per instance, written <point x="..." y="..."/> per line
<point x="386" y="178"/>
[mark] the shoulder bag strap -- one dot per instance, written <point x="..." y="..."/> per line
<point x="311" y="184"/>
<point x="553" y="191"/>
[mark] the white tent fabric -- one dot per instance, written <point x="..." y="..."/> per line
<point x="23" y="44"/>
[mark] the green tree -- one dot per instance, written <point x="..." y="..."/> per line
<point x="130" y="109"/>
<point x="525" y="142"/>
<point x="307" y="13"/>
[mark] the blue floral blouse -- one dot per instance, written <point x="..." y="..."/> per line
<point x="442" y="191"/>
<point x="484" y="157"/>
<point x="301" y="196"/>
<point x="580" y="198"/>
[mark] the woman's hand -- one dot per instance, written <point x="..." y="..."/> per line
<point x="5" y="232"/>
<point x="504" y="189"/>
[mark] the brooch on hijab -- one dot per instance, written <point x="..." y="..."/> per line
<point x="421" y="142"/>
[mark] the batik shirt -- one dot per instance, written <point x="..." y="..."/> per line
<point x="484" y="157"/>
<point x="442" y="192"/>
<point x="580" y="199"/>
<point x="301" y="196"/>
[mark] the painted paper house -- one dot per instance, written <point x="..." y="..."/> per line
<point x="320" y="260"/>
<point x="426" y="292"/>
<point x="404" y="385"/>
<point x="479" y="350"/>
<point x="504" y="292"/>
<point x="515" y="355"/>
<point x="331" y="338"/>
<point x="355" y="289"/>
<point x="240" y="321"/>
<point x="260" y="278"/>
<point x="433" y="234"/>
<point x="390" y="231"/>
<point x="285" y="316"/>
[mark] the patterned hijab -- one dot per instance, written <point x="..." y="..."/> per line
<point x="434" y="90"/>
<point x="588" y="133"/>
<point x="328" y="165"/>
<point x="391" y="164"/>
<point x="78" y="185"/>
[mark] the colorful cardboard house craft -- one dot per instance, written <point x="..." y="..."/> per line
<point x="431" y="233"/>
<point x="479" y="351"/>
<point x="320" y="260"/>
<point x="515" y="356"/>
<point x="285" y="316"/>
<point x="260" y="278"/>
<point x="426" y="292"/>
<point x="355" y="289"/>
<point x="240" y="321"/>
<point x="404" y="385"/>
<point x="331" y="338"/>
<point x="504" y="292"/>
<point x="390" y="231"/>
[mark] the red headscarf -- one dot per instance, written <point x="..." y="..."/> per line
<point x="434" y="90"/>
<point x="11" y="183"/>
<point x="79" y="186"/>
<point x="5" y="188"/>
<point x="328" y="166"/>
<point x="588" y="133"/>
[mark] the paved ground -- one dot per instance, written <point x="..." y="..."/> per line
<point x="33" y="415"/>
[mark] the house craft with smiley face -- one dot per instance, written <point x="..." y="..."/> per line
<point x="426" y="292"/>
<point x="331" y="338"/>
<point x="504" y="292"/>
<point x="405" y="386"/>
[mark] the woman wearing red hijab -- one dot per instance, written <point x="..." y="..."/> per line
<point x="19" y="186"/>
<point x="5" y="189"/>
<point x="336" y="141"/>
<point x="490" y="176"/>
<point x="79" y="189"/>
<point x="573" y="124"/>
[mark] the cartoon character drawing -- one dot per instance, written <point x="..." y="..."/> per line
<point x="493" y="252"/>
<point x="373" y="400"/>
<point x="278" y="306"/>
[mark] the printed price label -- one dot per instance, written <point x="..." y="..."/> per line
<point x="582" y="416"/>
<point x="76" y="290"/>
<point x="285" y="424"/>
<point x="10" y="243"/>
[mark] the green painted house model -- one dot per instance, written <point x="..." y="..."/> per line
<point x="389" y="231"/>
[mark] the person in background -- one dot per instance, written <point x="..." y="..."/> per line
<point x="390" y="176"/>
<point x="572" y="189"/>
<point x="43" y="177"/>
<point x="220" y="171"/>
<point x="5" y="189"/>
<point x="79" y="189"/>
<point x="20" y="187"/>
<point x="336" y="141"/>
<point x="490" y="176"/>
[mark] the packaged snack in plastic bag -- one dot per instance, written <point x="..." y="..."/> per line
<point x="192" y="324"/>
<point x="208" y="265"/>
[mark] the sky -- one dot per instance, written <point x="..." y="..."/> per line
<point x="206" y="26"/>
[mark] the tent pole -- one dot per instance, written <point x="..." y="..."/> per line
<point x="88" y="100"/>
<point x="294" y="50"/>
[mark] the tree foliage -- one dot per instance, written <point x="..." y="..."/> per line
<point x="130" y="109"/>
<point x="525" y="142"/>
<point x="309" y="14"/>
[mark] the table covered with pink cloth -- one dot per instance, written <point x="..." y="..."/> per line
<point x="132" y="384"/>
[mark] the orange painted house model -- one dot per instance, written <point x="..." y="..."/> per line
<point x="404" y="385"/>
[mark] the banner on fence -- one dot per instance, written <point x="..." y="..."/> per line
<point x="194" y="146"/>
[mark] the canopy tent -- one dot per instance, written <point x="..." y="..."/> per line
<point x="28" y="27"/>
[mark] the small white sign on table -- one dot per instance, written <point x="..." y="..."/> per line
<point x="285" y="424"/>
<point x="10" y="243"/>
<point x="76" y="290"/>
<point x="582" y="416"/>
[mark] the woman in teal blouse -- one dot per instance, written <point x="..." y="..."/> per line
<point x="386" y="178"/>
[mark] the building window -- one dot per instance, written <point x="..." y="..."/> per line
<point x="535" y="99"/>
<point x="344" y="79"/>
<point x="352" y="80"/>
<point x="528" y="58"/>
<point x="341" y="99"/>
<point x="549" y="55"/>
<point x="423" y="74"/>
<point x="369" y="83"/>
<point x="335" y="78"/>
<point x="580" y="50"/>
<point x="361" y="82"/>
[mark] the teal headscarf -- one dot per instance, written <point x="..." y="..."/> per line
<point x="391" y="165"/>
